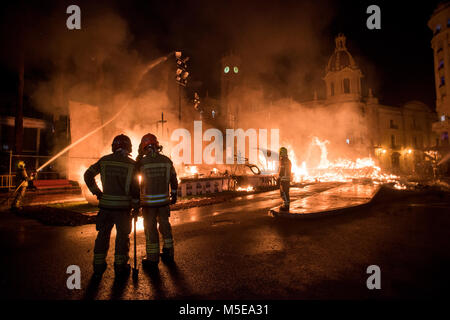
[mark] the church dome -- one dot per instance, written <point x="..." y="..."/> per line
<point x="341" y="58"/>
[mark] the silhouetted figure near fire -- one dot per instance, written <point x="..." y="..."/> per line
<point x="284" y="178"/>
<point x="22" y="180"/>
<point x="120" y="194"/>
<point x="158" y="173"/>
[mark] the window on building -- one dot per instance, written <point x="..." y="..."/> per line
<point x="29" y="141"/>
<point x="415" y="142"/>
<point x="332" y="88"/>
<point x="438" y="29"/>
<point x="441" y="64"/>
<point x="392" y="124"/>
<point x="393" y="141"/>
<point x="442" y="83"/>
<point x="448" y="22"/>
<point x="443" y="117"/>
<point x="346" y="86"/>
<point x="444" y="138"/>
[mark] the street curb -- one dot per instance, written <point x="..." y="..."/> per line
<point x="383" y="194"/>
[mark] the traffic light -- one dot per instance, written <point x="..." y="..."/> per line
<point x="181" y="73"/>
<point x="196" y="101"/>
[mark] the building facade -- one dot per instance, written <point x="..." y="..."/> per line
<point x="396" y="136"/>
<point x="439" y="23"/>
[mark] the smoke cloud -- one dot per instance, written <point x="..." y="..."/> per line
<point x="284" y="49"/>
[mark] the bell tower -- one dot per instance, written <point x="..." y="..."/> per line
<point x="342" y="75"/>
<point x="230" y="86"/>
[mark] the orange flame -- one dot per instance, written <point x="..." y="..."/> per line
<point x="247" y="189"/>
<point x="338" y="170"/>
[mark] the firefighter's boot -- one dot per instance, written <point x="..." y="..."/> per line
<point x="167" y="254"/>
<point x="99" y="269"/>
<point x="149" y="264"/>
<point x="122" y="270"/>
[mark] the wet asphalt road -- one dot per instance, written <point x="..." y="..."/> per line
<point x="234" y="250"/>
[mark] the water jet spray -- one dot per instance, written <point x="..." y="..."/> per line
<point x="149" y="67"/>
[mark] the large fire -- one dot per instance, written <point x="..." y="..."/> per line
<point x="340" y="170"/>
<point x="247" y="189"/>
<point x="325" y="170"/>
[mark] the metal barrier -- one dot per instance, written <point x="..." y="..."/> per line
<point x="5" y="181"/>
<point x="9" y="181"/>
<point x="32" y="162"/>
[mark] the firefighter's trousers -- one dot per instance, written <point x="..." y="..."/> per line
<point x="20" y="194"/>
<point x="106" y="219"/>
<point x="284" y="192"/>
<point x="152" y="217"/>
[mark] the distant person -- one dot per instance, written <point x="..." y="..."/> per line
<point x="120" y="194"/>
<point x="158" y="174"/>
<point x="284" y="178"/>
<point x="22" y="180"/>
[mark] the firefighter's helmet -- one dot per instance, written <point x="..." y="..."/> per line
<point x="283" y="152"/>
<point x="149" y="141"/>
<point x="21" y="164"/>
<point x="121" y="142"/>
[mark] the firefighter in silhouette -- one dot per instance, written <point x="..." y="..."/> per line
<point x="120" y="194"/>
<point x="158" y="174"/>
<point x="284" y="178"/>
<point x="22" y="180"/>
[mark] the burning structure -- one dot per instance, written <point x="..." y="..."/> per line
<point x="355" y="136"/>
<point x="355" y="124"/>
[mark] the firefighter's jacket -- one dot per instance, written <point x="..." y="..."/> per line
<point x="21" y="176"/>
<point x="157" y="174"/>
<point x="119" y="180"/>
<point x="284" y="173"/>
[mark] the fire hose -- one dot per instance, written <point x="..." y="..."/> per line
<point x="146" y="69"/>
<point x="15" y="191"/>
<point x="13" y="194"/>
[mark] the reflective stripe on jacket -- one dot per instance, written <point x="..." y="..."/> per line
<point x="157" y="173"/>
<point x="119" y="181"/>
<point x="21" y="178"/>
<point x="285" y="169"/>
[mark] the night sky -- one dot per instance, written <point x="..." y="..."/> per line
<point x="285" y="45"/>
